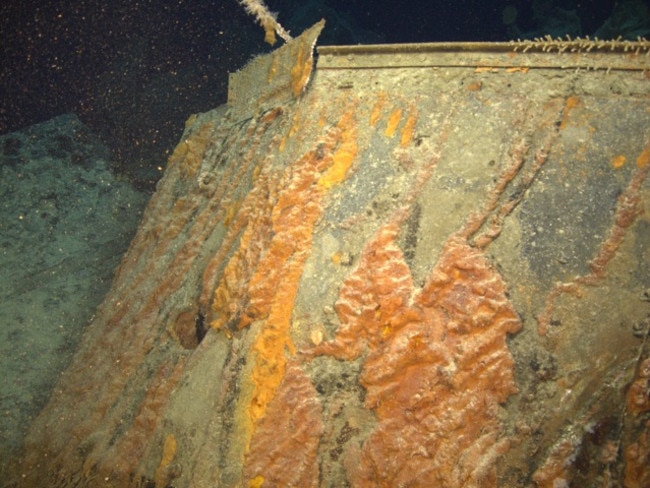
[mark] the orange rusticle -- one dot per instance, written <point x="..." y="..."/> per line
<point x="436" y="364"/>
<point x="284" y="448"/>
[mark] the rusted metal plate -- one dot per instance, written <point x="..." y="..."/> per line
<point x="421" y="268"/>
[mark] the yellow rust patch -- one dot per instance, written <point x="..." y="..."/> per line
<point x="618" y="161"/>
<point x="344" y="154"/>
<point x="178" y="154"/>
<point x="293" y="130"/>
<point x="644" y="158"/>
<point x="256" y="482"/>
<point x="231" y="211"/>
<point x="168" y="455"/>
<point x="273" y="287"/>
<point x="190" y="121"/>
<point x="409" y="128"/>
<point x="169" y="450"/>
<point x="393" y="121"/>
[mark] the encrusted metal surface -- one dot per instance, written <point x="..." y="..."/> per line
<point x="422" y="268"/>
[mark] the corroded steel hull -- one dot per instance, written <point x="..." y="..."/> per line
<point x="423" y="265"/>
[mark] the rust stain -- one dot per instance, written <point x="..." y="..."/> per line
<point x="273" y="287"/>
<point x="231" y="211"/>
<point x="637" y="453"/>
<point x="178" y="154"/>
<point x="256" y="482"/>
<point x="293" y="130"/>
<point x="128" y="449"/>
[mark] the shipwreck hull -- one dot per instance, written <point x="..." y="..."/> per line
<point x="422" y="265"/>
